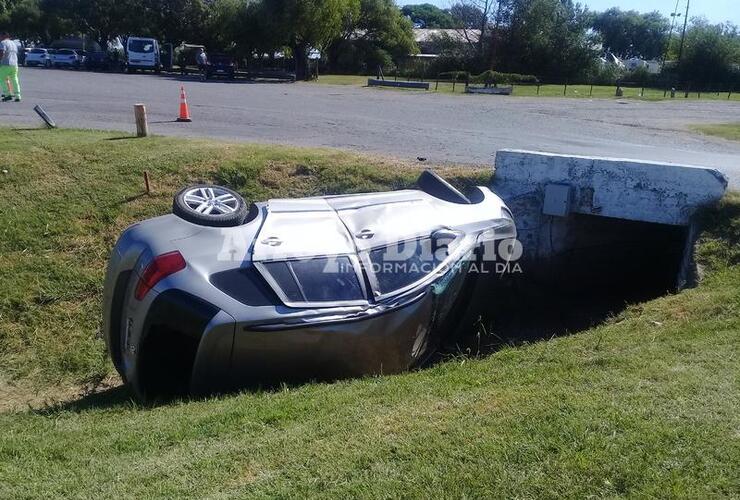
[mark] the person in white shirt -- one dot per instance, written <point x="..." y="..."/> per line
<point x="9" y="68"/>
<point x="202" y="60"/>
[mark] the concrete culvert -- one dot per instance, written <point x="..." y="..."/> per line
<point x="597" y="234"/>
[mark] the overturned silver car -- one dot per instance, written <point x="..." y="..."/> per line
<point x="221" y="295"/>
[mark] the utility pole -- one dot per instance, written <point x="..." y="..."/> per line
<point x="683" y="35"/>
<point x="674" y="15"/>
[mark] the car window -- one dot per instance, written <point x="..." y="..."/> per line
<point x="402" y="264"/>
<point x="65" y="52"/>
<point x="322" y="279"/>
<point x="140" y="46"/>
<point x="325" y="279"/>
<point x="282" y="274"/>
<point x="38" y="51"/>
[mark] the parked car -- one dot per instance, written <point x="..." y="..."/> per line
<point x="67" y="58"/>
<point x="97" y="60"/>
<point x="38" y="57"/>
<point x="219" y="294"/>
<point x="220" y="65"/>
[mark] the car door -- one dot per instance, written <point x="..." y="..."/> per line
<point x="399" y="236"/>
<point x="307" y="255"/>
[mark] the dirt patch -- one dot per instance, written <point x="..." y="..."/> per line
<point x="24" y="396"/>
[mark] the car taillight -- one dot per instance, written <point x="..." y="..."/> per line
<point x="158" y="269"/>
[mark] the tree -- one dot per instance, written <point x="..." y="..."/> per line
<point x="429" y="16"/>
<point x="549" y="38"/>
<point x="628" y="33"/>
<point x="104" y="19"/>
<point x="223" y="25"/>
<point x="175" y="20"/>
<point x="376" y="36"/>
<point x="478" y="21"/>
<point x="309" y="24"/>
<point x="23" y="18"/>
<point x="711" y="54"/>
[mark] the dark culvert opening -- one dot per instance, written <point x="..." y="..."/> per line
<point x="595" y="268"/>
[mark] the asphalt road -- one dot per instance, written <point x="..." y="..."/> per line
<point x="405" y="124"/>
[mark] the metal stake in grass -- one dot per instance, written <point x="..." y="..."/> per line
<point x="146" y="182"/>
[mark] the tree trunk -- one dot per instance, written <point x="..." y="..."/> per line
<point x="300" y="54"/>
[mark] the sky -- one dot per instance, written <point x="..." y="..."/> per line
<point x="715" y="11"/>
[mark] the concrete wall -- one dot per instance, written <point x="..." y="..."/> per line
<point x="550" y="194"/>
<point x="662" y="193"/>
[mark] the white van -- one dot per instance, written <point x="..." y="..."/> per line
<point x="142" y="53"/>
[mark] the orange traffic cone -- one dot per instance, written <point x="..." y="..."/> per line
<point x="184" y="111"/>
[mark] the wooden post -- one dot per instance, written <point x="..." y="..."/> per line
<point x="565" y="89"/>
<point x="142" y="127"/>
<point x="146" y="182"/>
<point x="591" y="91"/>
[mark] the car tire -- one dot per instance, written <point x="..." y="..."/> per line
<point x="197" y="204"/>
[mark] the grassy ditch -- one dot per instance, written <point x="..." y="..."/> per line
<point x="642" y="405"/>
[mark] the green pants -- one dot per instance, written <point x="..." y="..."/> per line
<point x="10" y="74"/>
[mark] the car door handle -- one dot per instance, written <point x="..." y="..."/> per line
<point x="365" y="234"/>
<point x="272" y="241"/>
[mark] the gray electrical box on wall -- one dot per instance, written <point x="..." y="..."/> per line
<point x="557" y="200"/>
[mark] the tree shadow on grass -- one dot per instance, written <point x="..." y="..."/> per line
<point x="121" y="138"/>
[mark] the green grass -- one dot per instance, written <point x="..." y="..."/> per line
<point x="729" y="131"/>
<point x="574" y="91"/>
<point x="644" y="405"/>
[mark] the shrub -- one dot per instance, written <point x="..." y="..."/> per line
<point x="494" y="77"/>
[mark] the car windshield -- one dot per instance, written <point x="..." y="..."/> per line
<point x="38" y="51"/>
<point x="65" y="52"/>
<point x="145" y="46"/>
